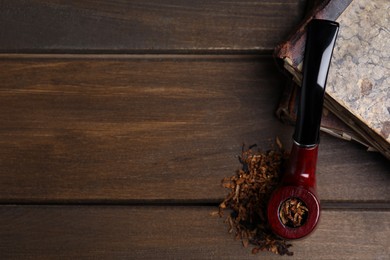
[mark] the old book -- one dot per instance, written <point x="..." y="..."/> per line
<point x="358" y="80"/>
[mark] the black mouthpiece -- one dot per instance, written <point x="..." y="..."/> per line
<point x="321" y="38"/>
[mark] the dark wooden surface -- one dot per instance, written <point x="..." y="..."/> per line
<point x="173" y="232"/>
<point x="159" y="128"/>
<point x="145" y="26"/>
<point x="119" y="154"/>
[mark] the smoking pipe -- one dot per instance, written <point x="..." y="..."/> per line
<point x="299" y="181"/>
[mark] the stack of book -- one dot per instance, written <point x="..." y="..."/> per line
<point x="357" y="101"/>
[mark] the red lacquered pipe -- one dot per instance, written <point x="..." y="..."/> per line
<point x="299" y="181"/>
<point x="302" y="167"/>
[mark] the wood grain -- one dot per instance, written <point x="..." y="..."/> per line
<point x="55" y="232"/>
<point x="151" y="128"/>
<point x="156" y="133"/>
<point x="168" y="26"/>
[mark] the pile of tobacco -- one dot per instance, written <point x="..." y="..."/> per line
<point x="250" y="189"/>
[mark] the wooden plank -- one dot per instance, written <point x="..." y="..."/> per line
<point x="145" y="26"/>
<point x="158" y="128"/>
<point x="46" y="232"/>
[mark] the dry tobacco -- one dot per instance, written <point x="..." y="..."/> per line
<point x="293" y="213"/>
<point x="250" y="189"/>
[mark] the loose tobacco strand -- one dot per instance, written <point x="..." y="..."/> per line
<point x="250" y="189"/>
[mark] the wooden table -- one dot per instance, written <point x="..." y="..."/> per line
<point x="120" y="118"/>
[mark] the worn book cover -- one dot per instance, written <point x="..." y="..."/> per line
<point x="358" y="80"/>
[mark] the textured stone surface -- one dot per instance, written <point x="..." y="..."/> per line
<point x="359" y="77"/>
